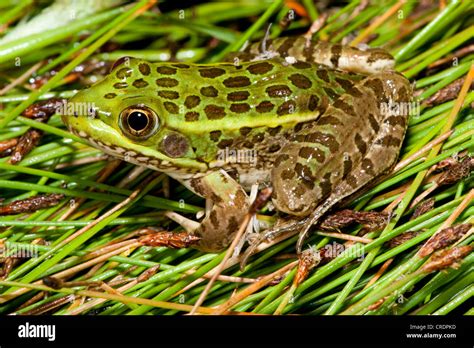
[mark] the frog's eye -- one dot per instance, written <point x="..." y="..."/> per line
<point x="138" y="122"/>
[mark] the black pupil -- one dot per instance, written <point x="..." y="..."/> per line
<point x="137" y="121"/>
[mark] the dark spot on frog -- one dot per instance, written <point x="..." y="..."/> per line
<point x="325" y="139"/>
<point x="181" y="66"/>
<point x="396" y="121"/>
<point x="124" y="73"/>
<point x="235" y="82"/>
<point x="329" y="120"/>
<point x="285" y="46"/>
<point x="280" y="159"/>
<point x="144" y="69"/>
<point x="209" y="91"/>
<point x="214" y="112"/>
<point x="260" y="68"/>
<point x="258" y="138"/>
<point x="248" y="144"/>
<point x="336" y="51"/>
<point x="345" y="84"/>
<point x="120" y="85"/>
<point x="238" y="96"/>
<point x="347" y="164"/>
<point x="192" y="101"/>
<point x="323" y="74"/>
<point x="376" y="85"/>
<point x="378" y="54"/>
<point x="305" y="174"/>
<point x="245" y="130"/>
<point x="174" y="145"/>
<point x="166" y="82"/>
<point x="265" y="106"/>
<point x="326" y="185"/>
<point x="331" y="93"/>
<point x="233" y="225"/>
<point x="368" y="166"/>
<point x="286" y="108"/>
<point x="191" y="116"/>
<point x="360" y="143"/>
<point x="171" y="107"/>
<point x="110" y="96"/>
<point x="225" y="143"/>
<point x="168" y="94"/>
<point x="300" y="81"/>
<point x="313" y="102"/>
<point x="351" y="180"/>
<point x="302" y="65"/>
<point x="211" y="72"/>
<point x="389" y="140"/>
<point x="288" y="174"/>
<point x="278" y="91"/>
<point x="166" y="70"/>
<point x="342" y="105"/>
<point x="373" y="123"/>
<point x="214" y="219"/>
<point x="140" y="83"/>
<point x="312" y="153"/>
<point x="239" y="107"/>
<point x="274" y="148"/>
<point x="215" y="135"/>
<point x="274" y="131"/>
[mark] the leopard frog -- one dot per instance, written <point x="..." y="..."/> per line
<point x="308" y="116"/>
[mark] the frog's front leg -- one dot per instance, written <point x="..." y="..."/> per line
<point x="229" y="203"/>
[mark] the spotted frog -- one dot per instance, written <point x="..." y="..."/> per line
<point x="309" y="115"/>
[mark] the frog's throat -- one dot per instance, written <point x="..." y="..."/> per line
<point x="110" y="141"/>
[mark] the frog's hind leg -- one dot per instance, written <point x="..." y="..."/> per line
<point x="382" y="152"/>
<point x="229" y="205"/>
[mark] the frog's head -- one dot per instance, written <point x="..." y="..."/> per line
<point x="123" y="116"/>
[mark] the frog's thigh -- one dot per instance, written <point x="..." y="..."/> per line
<point x="230" y="205"/>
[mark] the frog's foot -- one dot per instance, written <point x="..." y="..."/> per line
<point x="229" y="203"/>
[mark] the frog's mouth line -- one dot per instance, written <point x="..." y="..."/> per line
<point x="114" y="144"/>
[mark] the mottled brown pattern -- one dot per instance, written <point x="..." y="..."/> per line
<point x="286" y="108"/>
<point x="214" y="112"/>
<point x="325" y="139"/>
<point x="166" y="82"/>
<point x="347" y="166"/>
<point x="239" y="107"/>
<point x="238" y="96"/>
<point x="265" y="106"/>
<point x="300" y="81"/>
<point x="236" y="82"/>
<point x="209" y="91"/>
<point x="260" y="68"/>
<point x="331" y="93"/>
<point x="274" y="131"/>
<point x="192" y="101"/>
<point x="373" y="122"/>
<point x="329" y="120"/>
<point x="336" y="51"/>
<point x="144" y="69"/>
<point x="360" y="143"/>
<point x="211" y="72"/>
<point x="245" y="130"/>
<point x="168" y="94"/>
<point x="171" y="107"/>
<point x="215" y="135"/>
<point x="278" y="91"/>
<point x="120" y="85"/>
<point x="313" y="102"/>
<point x="312" y="153"/>
<point x="124" y="73"/>
<point x="347" y="108"/>
<point x="166" y="70"/>
<point x="323" y="75"/>
<point x="191" y="116"/>
<point x="140" y="83"/>
<point x="389" y="140"/>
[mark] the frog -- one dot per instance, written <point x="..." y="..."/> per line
<point x="308" y="112"/>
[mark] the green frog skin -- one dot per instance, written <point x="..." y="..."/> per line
<point x="309" y="112"/>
